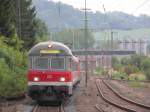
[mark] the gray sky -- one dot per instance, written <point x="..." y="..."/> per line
<point x="135" y="7"/>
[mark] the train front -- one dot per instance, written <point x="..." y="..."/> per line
<point x="49" y="76"/>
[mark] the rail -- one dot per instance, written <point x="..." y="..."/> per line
<point x="132" y="106"/>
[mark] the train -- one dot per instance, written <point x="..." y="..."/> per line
<point x="53" y="71"/>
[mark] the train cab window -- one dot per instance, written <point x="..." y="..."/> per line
<point x="41" y="63"/>
<point x="58" y="63"/>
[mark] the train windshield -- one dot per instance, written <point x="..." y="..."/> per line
<point x="58" y="63"/>
<point x="41" y="63"/>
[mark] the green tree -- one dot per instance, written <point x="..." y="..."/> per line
<point x="13" y="66"/>
<point x="115" y="61"/>
<point x="42" y="33"/>
<point x="125" y="61"/>
<point x="145" y="64"/>
<point x="6" y="17"/>
<point x="136" y="60"/>
<point x="27" y="21"/>
<point x="18" y="19"/>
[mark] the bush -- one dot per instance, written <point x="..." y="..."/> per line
<point x="13" y="66"/>
<point x="129" y="69"/>
<point x="98" y="71"/>
<point x="119" y="75"/>
<point x="125" y="61"/>
<point x="147" y="73"/>
<point x="145" y="64"/>
<point x="137" y="77"/>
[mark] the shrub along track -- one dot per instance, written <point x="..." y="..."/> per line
<point x="114" y="98"/>
<point x="38" y="108"/>
<point x="144" y="81"/>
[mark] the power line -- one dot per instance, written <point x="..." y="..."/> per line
<point x="137" y="8"/>
<point x="141" y="5"/>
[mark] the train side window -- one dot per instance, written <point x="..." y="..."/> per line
<point x="69" y="63"/>
<point x="74" y="67"/>
<point x="58" y="63"/>
<point x="40" y="63"/>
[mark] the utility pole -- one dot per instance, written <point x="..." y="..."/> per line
<point x="86" y="42"/>
<point x="140" y="46"/>
<point x="112" y="48"/>
<point x="112" y="39"/>
<point x="73" y="40"/>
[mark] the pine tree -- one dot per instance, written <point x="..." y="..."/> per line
<point x="6" y="17"/>
<point x="18" y="19"/>
<point x="27" y="30"/>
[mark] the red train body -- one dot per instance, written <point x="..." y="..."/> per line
<point x="53" y="71"/>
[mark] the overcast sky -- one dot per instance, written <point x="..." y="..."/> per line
<point x="135" y="7"/>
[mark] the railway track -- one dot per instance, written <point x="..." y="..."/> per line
<point x="38" y="108"/>
<point x="99" y="108"/>
<point x="114" y="98"/>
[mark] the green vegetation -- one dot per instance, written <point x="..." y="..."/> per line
<point x="119" y="75"/>
<point x="134" y="67"/>
<point x="13" y="66"/>
<point x="137" y="84"/>
<point x="16" y="37"/>
<point x="99" y="71"/>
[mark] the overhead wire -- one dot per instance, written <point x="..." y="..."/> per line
<point x="140" y="6"/>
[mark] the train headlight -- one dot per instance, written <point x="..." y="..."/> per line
<point x="62" y="79"/>
<point x="36" y="79"/>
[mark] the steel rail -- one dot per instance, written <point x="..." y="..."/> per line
<point x="99" y="108"/>
<point x="59" y="109"/>
<point x="124" y="98"/>
<point x="35" y="108"/>
<point x="110" y="102"/>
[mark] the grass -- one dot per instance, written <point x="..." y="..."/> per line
<point x="138" y="77"/>
<point x="137" y="84"/>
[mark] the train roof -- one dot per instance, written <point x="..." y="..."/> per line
<point x="35" y="50"/>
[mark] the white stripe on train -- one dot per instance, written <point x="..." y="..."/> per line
<point x="50" y="83"/>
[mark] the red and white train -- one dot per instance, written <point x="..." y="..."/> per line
<point x="53" y="71"/>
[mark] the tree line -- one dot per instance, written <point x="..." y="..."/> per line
<point x="20" y="29"/>
<point x="72" y="17"/>
<point x="18" y="17"/>
<point x="136" y="64"/>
